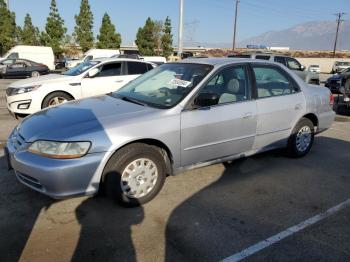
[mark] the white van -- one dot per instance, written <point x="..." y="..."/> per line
<point x="158" y="60"/>
<point x="92" y="54"/>
<point x="39" y="54"/>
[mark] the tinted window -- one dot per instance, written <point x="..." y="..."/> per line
<point x="13" y="56"/>
<point x="280" y="59"/>
<point x="262" y="57"/>
<point x="293" y="64"/>
<point x="137" y="68"/>
<point x="271" y="82"/>
<point x="231" y="85"/>
<point x="239" y="56"/>
<point x="112" y="69"/>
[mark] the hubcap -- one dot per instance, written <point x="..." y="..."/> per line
<point x="139" y="178"/>
<point x="57" y="100"/>
<point x="303" y="138"/>
<point x="34" y="74"/>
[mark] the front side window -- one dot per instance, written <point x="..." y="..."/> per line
<point x="230" y="85"/>
<point x="111" y="69"/>
<point x="137" y="68"/>
<point x="293" y="64"/>
<point x="164" y="86"/>
<point x="271" y="81"/>
<point x="8" y="62"/>
<point x="13" y="56"/>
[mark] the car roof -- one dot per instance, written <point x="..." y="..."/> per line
<point x="109" y="59"/>
<point x="216" y="61"/>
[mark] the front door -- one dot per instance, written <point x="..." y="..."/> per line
<point x="225" y="129"/>
<point x="109" y="79"/>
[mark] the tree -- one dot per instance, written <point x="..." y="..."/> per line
<point x="157" y="34"/>
<point x="7" y="28"/>
<point x="83" y="29"/>
<point x="145" y="39"/>
<point x="108" y="38"/>
<point x="167" y="39"/>
<point x="55" y="30"/>
<point x="29" y="34"/>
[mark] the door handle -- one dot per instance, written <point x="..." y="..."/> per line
<point x="247" y="115"/>
<point x="298" y="107"/>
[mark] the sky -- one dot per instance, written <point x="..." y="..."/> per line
<point x="207" y="22"/>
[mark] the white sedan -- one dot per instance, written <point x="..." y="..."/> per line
<point x="91" y="78"/>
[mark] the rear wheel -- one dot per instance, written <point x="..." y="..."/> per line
<point x="35" y="74"/>
<point x="56" y="98"/>
<point x="301" y="140"/>
<point x="135" y="174"/>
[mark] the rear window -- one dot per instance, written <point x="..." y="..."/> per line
<point x="137" y="68"/>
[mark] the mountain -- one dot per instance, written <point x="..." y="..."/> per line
<point x="315" y="35"/>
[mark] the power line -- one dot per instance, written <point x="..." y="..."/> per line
<point x="234" y="27"/>
<point x="339" y="20"/>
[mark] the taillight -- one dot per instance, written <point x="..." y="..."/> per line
<point x="331" y="99"/>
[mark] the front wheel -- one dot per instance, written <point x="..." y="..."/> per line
<point x="56" y="98"/>
<point x="135" y="174"/>
<point x="35" y="74"/>
<point x="301" y="139"/>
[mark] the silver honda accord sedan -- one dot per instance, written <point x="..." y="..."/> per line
<point x="175" y="117"/>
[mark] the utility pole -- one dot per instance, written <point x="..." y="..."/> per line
<point x="179" y="51"/>
<point x="339" y="20"/>
<point x="234" y="27"/>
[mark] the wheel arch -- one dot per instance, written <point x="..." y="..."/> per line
<point x="168" y="156"/>
<point x="313" y="118"/>
<point x="56" y="91"/>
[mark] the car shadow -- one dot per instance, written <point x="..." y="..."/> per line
<point x="106" y="230"/>
<point x="255" y="197"/>
<point x="19" y="210"/>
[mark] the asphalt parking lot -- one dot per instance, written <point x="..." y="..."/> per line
<point x="207" y="214"/>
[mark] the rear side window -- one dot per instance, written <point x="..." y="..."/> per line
<point x="293" y="64"/>
<point x="262" y="57"/>
<point x="280" y="59"/>
<point x="137" y="68"/>
<point x="239" y="56"/>
<point x="271" y="81"/>
<point x="112" y="69"/>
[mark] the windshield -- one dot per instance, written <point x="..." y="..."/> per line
<point x="164" y="86"/>
<point x="81" y="68"/>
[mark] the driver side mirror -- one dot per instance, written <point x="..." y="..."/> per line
<point x="302" y="68"/>
<point x="93" y="72"/>
<point x="206" y="99"/>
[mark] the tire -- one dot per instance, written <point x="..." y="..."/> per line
<point x="299" y="144"/>
<point x="57" y="97"/>
<point x="117" y="181"/>
<point x="35" y="74"/>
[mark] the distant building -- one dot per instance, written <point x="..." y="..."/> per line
<point x="279" y="48"/>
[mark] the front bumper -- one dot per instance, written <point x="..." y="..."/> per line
<point x="23" y="103"/>
<point x="57" y="178"/>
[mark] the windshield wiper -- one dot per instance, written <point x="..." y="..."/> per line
<point x="131" y="100"/>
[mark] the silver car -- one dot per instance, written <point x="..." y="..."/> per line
<point x="175" y="117"/>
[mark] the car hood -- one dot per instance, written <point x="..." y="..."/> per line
<point x="79" y="119"/>
<point x="56" y="78"/>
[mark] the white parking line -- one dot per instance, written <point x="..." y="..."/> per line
<point x="286" y="233"/>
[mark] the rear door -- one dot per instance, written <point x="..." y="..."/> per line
<point x="17" y="69"/>
<point x="109" y="79"/>
<point x="225" y="129"/>
<point x="279" y="103"/>
<point x="135" y="69"/>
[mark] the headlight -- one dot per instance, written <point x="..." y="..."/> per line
<point x="25" y="89"/>
<point x="61" y="150"/>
